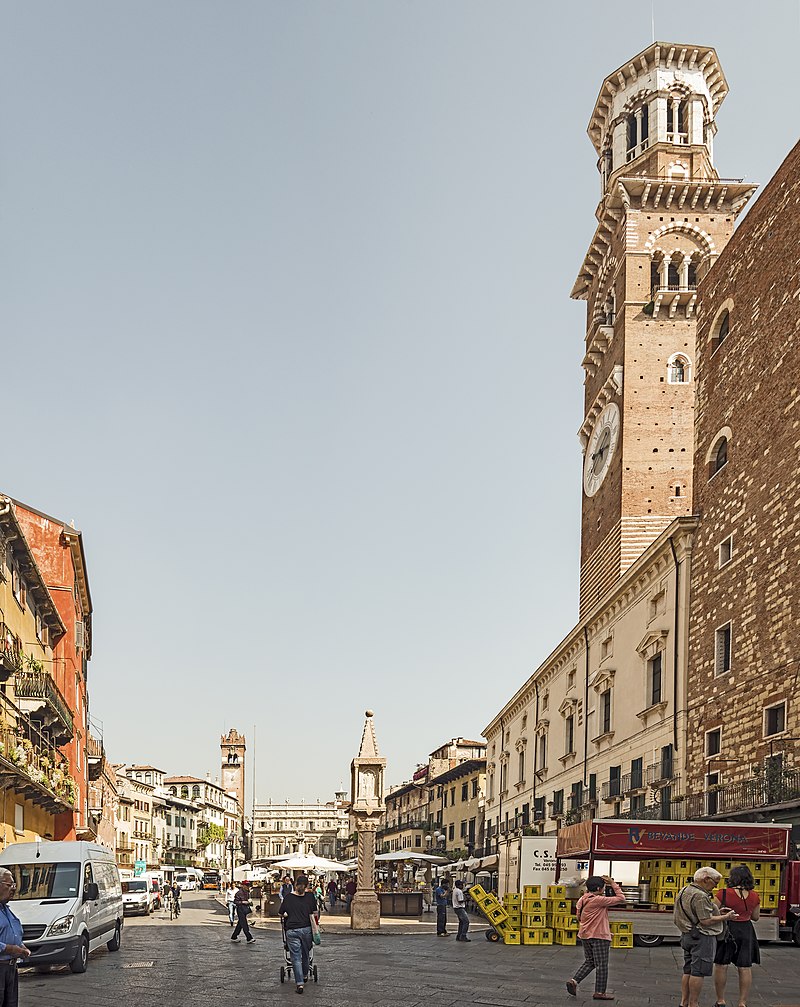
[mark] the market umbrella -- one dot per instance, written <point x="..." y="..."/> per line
<point x="428" y="858"/>
<point x="310" y="862"/>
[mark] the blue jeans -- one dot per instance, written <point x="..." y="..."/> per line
<point x="441" y="919"/>
<point x="463" y="922"/>
<point x="299" y="944"/>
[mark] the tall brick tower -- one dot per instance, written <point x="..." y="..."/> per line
<point x="663" y="218"/>
<point x="233" y="748"/>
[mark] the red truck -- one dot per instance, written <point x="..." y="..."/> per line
<point x="615" y="840"/>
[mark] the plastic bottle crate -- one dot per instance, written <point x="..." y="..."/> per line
<point x="772" y="869"/>
<point x="496" y="914"/>
<point x="770" y="901"/>
<point x="541" y="935"/>
<point x="621" y="927"/>
<point x="756" y="869"/>
<point x="622" y="940"/>
<point x="566" y="936"/>
<point x="477" y="892"/>
<point x="557" y="905"/>
<point x="532" y="891"/>
<point x="512" y="899"/>
<point x="666" y="897"/>
<point x="533" y="905"/>
<point x="771" y="886"/>
<point x="512" y="937"/>
<point x="556" y="891"/>
<point x="515" y="918"/>
<point x="666" y="866"/>
<point x="531" y="921"/>
<point x="565" y="921"/>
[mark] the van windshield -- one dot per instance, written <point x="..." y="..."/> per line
<point x="134" y="886"/>
<point x="45" y="881"/>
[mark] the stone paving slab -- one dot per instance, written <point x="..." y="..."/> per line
<point x="194" y="962"/>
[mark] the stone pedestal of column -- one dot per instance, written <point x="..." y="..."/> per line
<point x="365" y="910"/>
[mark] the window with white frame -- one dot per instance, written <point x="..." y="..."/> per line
<point x="775" y="719"/>
<point x="541" y="751"/>
<point x="713" y="742"/>
<point x="678" y="369"/>
<point x="726" y="551"/>
<point x="605" y="711"/>
<point x="722" y="649"/>
<point x="569" y="734"/>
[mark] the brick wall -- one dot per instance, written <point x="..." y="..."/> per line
<point x="750" y="383"/>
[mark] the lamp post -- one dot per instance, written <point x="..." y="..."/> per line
<point x="230" y="843"/>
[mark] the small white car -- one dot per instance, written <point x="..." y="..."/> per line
<point x="138" y="896"/>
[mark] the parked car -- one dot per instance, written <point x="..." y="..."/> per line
<point x="68" y="899"/>
<point x="138" y="895"/>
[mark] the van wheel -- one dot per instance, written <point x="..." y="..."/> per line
<point x="81" y="959"/>
<point x="116" y="940"/>
<point x="647" y="940"/>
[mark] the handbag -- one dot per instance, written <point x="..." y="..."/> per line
<point x="726" y="944"/>
<point x="315" y="932"/>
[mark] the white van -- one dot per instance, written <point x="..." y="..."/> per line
<point x="140" y="895"/>
<point x="68" y="899"/>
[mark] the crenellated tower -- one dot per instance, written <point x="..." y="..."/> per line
<point x="663" y="218"/>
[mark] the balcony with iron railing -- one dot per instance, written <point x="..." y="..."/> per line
<point x="96" y="757"/>
<point x="38" y="695"/>
<point x="660" y="772"/>
<point x="10" y="652"/>
<point x="406" y="825"/>
<point x="30" y="765"/>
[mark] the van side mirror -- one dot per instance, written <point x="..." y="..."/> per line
<point x="91" y="893"/>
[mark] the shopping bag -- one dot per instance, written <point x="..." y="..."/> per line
<point x="315" y="934"/>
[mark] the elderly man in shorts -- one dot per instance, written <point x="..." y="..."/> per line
<point x="700" y="922"/>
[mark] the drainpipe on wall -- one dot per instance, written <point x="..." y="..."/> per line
<point x="675" y="648"/>
<point x="586" y="710"/>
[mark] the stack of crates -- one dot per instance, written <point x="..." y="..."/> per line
<point x="668" y="876"/>
<point x="535" y="929"/>
<point x="560" y="915"/>
<point x="496" y="914"/>
<point x="621" y="934"/>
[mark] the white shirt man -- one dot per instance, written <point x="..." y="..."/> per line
<point x="459" y="908"/>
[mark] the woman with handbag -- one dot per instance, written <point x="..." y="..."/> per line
<point x="241" y="903"/>
<point x="297" y="911"/>
<point x="741" y="947"/>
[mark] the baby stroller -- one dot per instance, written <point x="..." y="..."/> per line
<point x="287" y="970"/>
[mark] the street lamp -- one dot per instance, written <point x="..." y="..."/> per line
<point x="230" y="843"/>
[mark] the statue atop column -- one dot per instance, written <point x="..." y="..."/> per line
<point x="366" y="788"/>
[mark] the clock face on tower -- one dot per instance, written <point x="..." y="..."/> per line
<point x="600" y="449"/>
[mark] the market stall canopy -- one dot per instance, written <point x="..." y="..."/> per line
<point x="427" y="858"/>
<point x="309" y="862"/>
<point x="246" y="872"/>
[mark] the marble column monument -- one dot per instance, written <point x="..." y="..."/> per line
<point x="366" y="772"/>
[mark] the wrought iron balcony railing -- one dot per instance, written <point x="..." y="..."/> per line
<point x="40" y="697"/>
<point x="10" y="652"/>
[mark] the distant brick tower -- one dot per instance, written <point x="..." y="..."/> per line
<point x="663" y="218"/>
<point x="233" y="749"/>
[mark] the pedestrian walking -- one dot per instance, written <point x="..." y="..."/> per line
<point x="440" y="894"/>
<point x="595" y="934"/>
<point x="350" y="891"/>
<point x="296" y="911"/>
<point x="333" y="894"/>
<point x="242" y="904"/>
<point x="10" y="941"/>
<point x="700" y="922"/>
<point x="230" y="895"/>
<point x="739" y="896"/>
<point x="286" y="887"/>
<point x="460" y="909"/>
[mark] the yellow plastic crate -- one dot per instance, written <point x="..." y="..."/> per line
<point x="487" y="901"/>
<point x="533" y="905"/>
<point x="621" y="927"/>
<point x="565" y="921"/>
<point x="512" y="899"/>
<point x="512" y="937"/>
<point x="477" y="892"/>
<point x="772" y="869"/>
<point x="532" y="891"/>
<point x="538" y="936"/>
<point x="666" y="866"/>
<point x="756" y="869"/>
<point x="622" y="940"/>
<point x="771" y="886"/>
<point x="558" y="905"/>
<point x="566" y="937"/>
<point x="770" y="901"/>
<point x="515" y="919"/>
<point x="556" y="891"/>
<point x="495" y="915"/>
<point x="531" y="921"/>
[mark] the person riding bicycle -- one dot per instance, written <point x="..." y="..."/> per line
<point x="175" y="891"/>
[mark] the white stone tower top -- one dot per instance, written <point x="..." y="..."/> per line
<point x="666" y="97"/>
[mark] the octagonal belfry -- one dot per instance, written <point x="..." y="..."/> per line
<point x="366" y="774"/>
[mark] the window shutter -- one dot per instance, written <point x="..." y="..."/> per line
<point x="80" y="643"/>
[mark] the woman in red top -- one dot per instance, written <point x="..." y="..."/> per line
<point x="740" y="897"/>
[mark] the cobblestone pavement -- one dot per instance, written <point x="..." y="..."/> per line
<point x="192" y="961"/>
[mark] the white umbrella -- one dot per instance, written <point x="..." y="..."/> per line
<point x="309" y="862"/>
<point x="412" y="855"/>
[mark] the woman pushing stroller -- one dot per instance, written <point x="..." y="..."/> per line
<point x="296" y="911"/>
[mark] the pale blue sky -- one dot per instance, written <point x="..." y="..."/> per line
<point x="287" y="331"/>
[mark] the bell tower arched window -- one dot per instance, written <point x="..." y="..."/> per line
<point x="677" y="131"/>
<point x="638" y="131"/>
